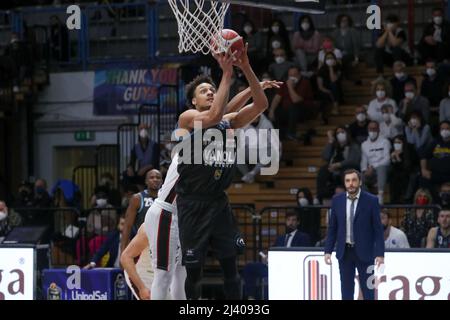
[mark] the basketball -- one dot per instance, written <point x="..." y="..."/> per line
<point x="229" y="39"/>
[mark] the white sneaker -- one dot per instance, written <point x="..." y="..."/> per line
<point x="248" y="178"/>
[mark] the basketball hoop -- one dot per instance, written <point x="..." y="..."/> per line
<point x="199" y="24"/>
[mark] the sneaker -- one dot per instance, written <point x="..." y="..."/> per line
<point x="248" y="178"/>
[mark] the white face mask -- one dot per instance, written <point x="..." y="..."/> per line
<point x="399" y="75"/>
<point x="341" y="137"/>
<point x="294" y="79"/>
<point x="305" y="26"/>
<point x="330" y="62"/>
<point x="445" y="134"/>
<point x="279" y="60"/>
<point x="303" y="202"/>
<point x="409" y="95"/>
<point x="275" y="29"/>
<point x="276" y="44"/>
<point x="169" y="146"/>
<point x="398" y="146"/>
<point x="386" y="116"/>
<point x="361" y="117"/>
<point x="389" y="25"/>
<point x="373" y="135"/>
<point x="3" y="215"/>
<point x="101" y="202"/>
<point x="431" y="72"/>
<point x="381" y="94"/>
<point x="438" y="20"/>
<point x="143" y="133"/>
<point x="248" y="29"/>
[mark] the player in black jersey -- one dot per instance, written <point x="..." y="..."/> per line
<point x="139" y="205"/>
<point x="205" y="216"/>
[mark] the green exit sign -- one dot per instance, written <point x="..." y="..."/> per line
<point x="84" y="136"/>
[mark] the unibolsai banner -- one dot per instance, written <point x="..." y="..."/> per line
<point x="123" y="91"/>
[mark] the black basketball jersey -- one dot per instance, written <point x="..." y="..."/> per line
<point x="146" y="203"/>
<point x="441" y="241"/>
<point x="218" y="163"/>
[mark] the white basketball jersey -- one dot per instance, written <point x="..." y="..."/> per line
<point x="167" y="192"/>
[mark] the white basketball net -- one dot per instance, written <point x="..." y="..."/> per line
<point x="199" y="24"/>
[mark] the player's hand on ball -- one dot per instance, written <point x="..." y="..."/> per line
<point x="226" y="60"/>
<point x="243" y="60"/>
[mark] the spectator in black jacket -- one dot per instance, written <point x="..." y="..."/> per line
<point x="433" y="84"/>
<point x="358" y="128"/>
<point x="399" y="80"/>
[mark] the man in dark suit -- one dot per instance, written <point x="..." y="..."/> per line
<point x="109" y="248"/>
<point x="293" y="237"/>
<point x="355" y="227"/>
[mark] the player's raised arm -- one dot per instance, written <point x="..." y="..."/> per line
<point x="208" y="102"/>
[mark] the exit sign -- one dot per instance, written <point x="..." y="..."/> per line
<point x="84" y="136"/>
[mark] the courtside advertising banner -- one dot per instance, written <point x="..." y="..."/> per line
<point x="17" y="274"/>
<point x="303" y="275"/>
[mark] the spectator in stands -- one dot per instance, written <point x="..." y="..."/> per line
<point x="258" y="271"/>
<point x="439" y="237"/>
<point x="295" y="96"/>
<point x="17" y="50"/>
<point x="41" y="197"/>
<point x="433" y="83"/>
<point x="382" y="92"/>
<point x="106" y="185"/>
<point x="144" y="155"/>
<point x="391" y="126"/>
<point x="347" y="40"/>
<point x="435" y="42"/>
<point x="4" y="227"/>
<point x="255" y="42"/>
<point x="375" y="159"/>
<point x="277" y="38"/>
<point x="418" y="221"/>
<point x="329" y="84"/>
<point x="444" y="106"/>
<point x="103" y="218"/>
<point x="358" y="128"/>
<point x="280" y="67"/>
<point x="310" y="217"/>
<point x="394" y="238"/>
<point x="413" y="101"/>
<point x="108" y="255"/>
<point x="340" y="154"/>
<point x="306" y="43"/>
<point x="391" y="45"/>
<point x="399" y="80"/>
<point x="404" y="170"/>
<point x="418" y="133"/>
<point x="59" y="40"/>
<point x="253" y="147"/>
<point x="435" y="163"/>
<point x="62" y="218"/>
<point x="25" y="195"/>
<point x="444" y="195"/>
<point x="328" y="47"/>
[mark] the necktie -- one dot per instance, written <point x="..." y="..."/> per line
<point x="287" y="239"/>
<point x="352" y="216"/>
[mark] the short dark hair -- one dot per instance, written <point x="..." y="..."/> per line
<point x="410" y="83"/>
<point x="292" y="214"/>
<point x="191" y="86"/>
<point x="350" y="171"/>
<point x="342" y="16"/>
<point x="444" y="121"/>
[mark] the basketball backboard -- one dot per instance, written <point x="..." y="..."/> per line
<point x="306" y="6"/>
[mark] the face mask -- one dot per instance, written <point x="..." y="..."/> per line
<point x="438" y="20"/>
<point x="445" y="198"/>
<point x="305" y="26"/>
<point x="276" y="44"/>
<point x="399" y="75"/>
<point x="3" y="215"/>
<point x="421" y="200"/>
<point x="248" y="29"/>
<point x="445" y="134"/>
<point x="303" y="202"/>
<point x="398" y="146"/>
<point x="275" y="29"/>
<point x="386" y="117"/>
<point x="361" y="117"/>
<point x="169" y="146"/>
<point x="341" y="137"/>
<point x="143" y="133"/>
<point x="293" y="79"/>
<point x="373" y="135"/>
<point x="431" y="72"/>
<point x="389" y="25"/>
<point x="330" y="62"/>
<point x="279" y="60"/>
<point x="381" y="94"/>
<point x="101" y="202"/>
<point x="409" y="95"/>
